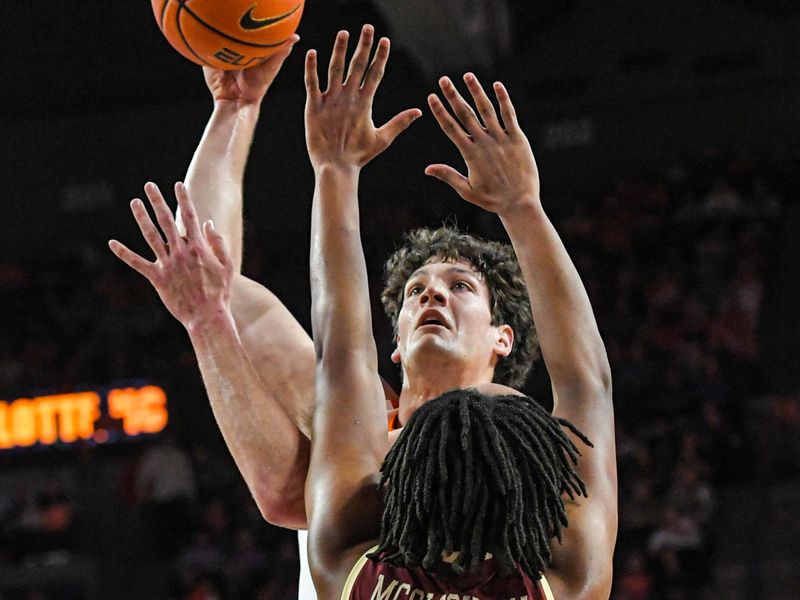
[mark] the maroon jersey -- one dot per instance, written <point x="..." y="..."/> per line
<point x="376" y="580"/>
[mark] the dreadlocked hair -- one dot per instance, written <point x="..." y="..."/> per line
<point x="476" y="474"/>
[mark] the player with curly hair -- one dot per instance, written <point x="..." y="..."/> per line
<point x="454" y="322"/>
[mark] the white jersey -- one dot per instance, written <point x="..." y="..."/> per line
<point x="305" y="587"/>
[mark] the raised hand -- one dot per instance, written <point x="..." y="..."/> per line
<point x="339" y="126"/>
<point x="502" y="172"/>
<point x="191" y="274"/>
<point x="248" y="85"/>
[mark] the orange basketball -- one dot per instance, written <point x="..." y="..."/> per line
<point x="227" y="34"/>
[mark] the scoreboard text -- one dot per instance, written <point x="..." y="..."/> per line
<point x="69" y="418"/>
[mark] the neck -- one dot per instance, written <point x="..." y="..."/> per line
<point x="421" y="385"/>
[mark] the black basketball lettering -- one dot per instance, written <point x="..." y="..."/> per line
<point x="232" y="57"/>
<point x="222" y="34"/>
<point x="183" y="36"/>
<point x="227" y="55"/>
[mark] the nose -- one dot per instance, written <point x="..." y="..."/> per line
<point x="433" y="295"/>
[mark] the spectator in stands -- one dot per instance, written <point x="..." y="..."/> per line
<point x="165" y="487"/>
<point x="691" y="496"/>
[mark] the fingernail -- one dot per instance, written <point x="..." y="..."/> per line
<point x="211" y="224"/>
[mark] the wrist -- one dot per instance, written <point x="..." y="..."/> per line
<point x="523" y="206"/>
<point x="237" y="105"/>
<point x="329" y="168"/>
<point x="214" y="320"/>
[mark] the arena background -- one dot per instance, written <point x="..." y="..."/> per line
<point x="667" y="139"/>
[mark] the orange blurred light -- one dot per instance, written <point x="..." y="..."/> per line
<point x="68" y="417"/>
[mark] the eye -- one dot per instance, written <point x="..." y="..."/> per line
<point x="414" y="290"/>
<point x="462" y="285"/>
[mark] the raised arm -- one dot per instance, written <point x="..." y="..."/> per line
<point x="503" y="178"/>
<point x="192" y="274"/>
<point x="349" y="434"/>
<point x="276" y="347"/>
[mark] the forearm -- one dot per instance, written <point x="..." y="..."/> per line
<point x="570" y="340"/>
<point x="341" y="320"/>
<point x="215" y="175"/>
<point x="269" y="450"/>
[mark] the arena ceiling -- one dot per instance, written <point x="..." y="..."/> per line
<point x="62" y="58"/>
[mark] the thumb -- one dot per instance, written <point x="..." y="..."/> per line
<point x="398" y="124"/>
<point x="273" y="64"/>
<point x="216" y="242"/>
<point x="452" y="178"/>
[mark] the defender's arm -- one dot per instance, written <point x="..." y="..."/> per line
<point x="349" y="435"/>
<point x="503" y="178"/>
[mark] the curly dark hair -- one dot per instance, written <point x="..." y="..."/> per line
<point x="477" y="474"/>
<point x="497" y="263"/>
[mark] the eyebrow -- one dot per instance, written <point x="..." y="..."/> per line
<point x="453" y="269"/>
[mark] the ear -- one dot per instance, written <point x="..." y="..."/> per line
<point x="504" y="342"/>
<point x="396" y="355"/>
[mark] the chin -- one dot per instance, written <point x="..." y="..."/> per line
<point x="434" y="350"/>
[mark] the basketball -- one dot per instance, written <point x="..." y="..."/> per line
<point x="227" y="34"/>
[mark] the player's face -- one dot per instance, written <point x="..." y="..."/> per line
<point x="446" y="318"/>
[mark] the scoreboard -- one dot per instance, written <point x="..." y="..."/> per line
<point x="97" y="417"/>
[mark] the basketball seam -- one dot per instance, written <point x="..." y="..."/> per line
<point x="230" y="37"/>
<point x="163" y="12"/>
<point x="183" y="37"/>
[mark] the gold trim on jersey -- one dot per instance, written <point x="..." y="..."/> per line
<point x="354" y="572"/>
<point x="548" y="593"/>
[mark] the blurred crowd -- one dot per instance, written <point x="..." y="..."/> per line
<point x="674" y="263"/>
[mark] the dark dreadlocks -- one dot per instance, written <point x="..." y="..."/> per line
<point x="478" y="474"/>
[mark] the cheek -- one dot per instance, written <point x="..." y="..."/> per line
<point x="477" y="314"/>
<point x="403" y="324"/>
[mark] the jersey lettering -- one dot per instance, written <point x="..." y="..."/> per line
<point x="378" y="593"/>
<point x="404" y="590"/>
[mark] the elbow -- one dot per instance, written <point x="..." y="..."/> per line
<point x="596" y="377"/>
<point x="282" y="509"/>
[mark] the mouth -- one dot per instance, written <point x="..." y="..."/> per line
<point x="432" y="319"/>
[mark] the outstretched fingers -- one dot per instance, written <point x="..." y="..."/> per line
<point x="360" y="60"/>
<point x="483" y="103"/>
<point x="398" y="124"/>
<point x="376" y="69"/>
<point x="462" y="109"/>
<point x="217" y="244"/>
<point x="451" y="177"/>
<point x="312" y="78"/>
<point x="336" y="66"/>
<point x="449" y="125"/>
<point x="163" y="215"/>
<point x="507" y="111"/>
<point x="188" y="212"/>
<point x="148" y="229"/>
<point x="134" y="261"/>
